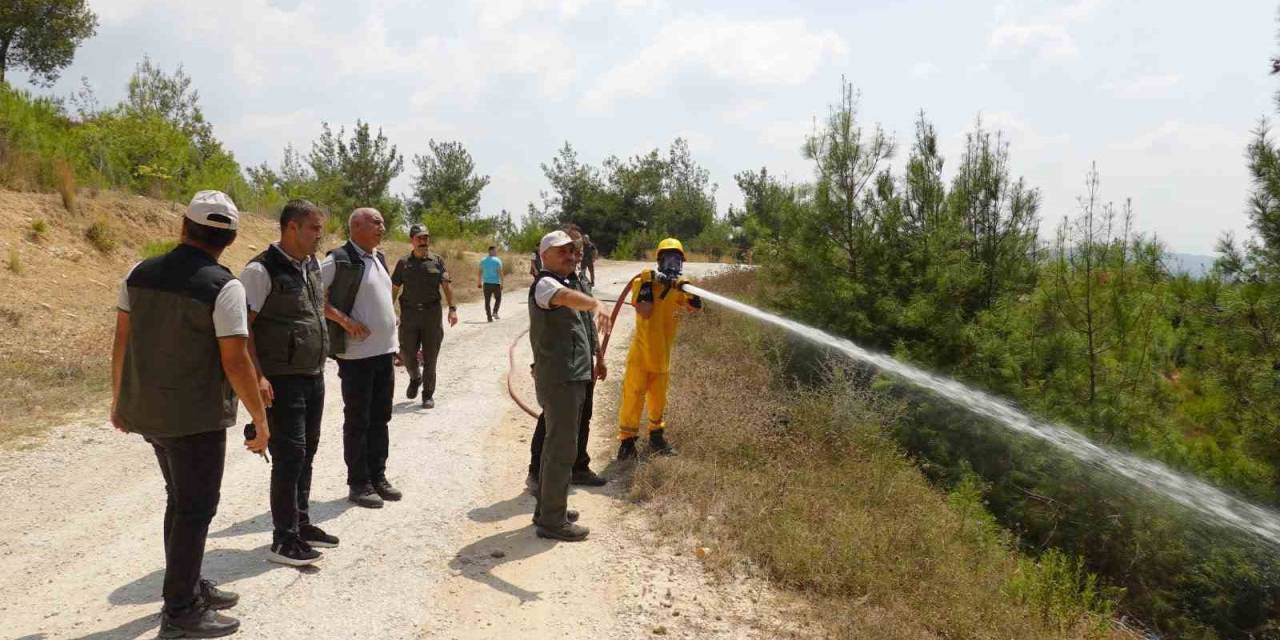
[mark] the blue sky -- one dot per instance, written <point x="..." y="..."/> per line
<point x="1162" y="95"/>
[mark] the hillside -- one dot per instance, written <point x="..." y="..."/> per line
<point x="60" y="290"/>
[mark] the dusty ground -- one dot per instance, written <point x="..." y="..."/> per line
<point x="80" y="549"/>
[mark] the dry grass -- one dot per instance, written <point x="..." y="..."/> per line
<point x="805" y="486"/>
<point x="14" y="264"/>
<point x="65" y="178"/>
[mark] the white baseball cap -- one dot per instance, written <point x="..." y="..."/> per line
<point x="213" y="209"/>
<point x="554" y="239"/>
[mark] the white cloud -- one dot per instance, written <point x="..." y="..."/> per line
<point x="748" y="53"/>
<point x="1144" y="86"/>
<point x="1047" y="36"/>
<point x="924" y="70"/>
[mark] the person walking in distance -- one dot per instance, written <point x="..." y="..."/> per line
<point x="418" y="280"/>
<point x="491" y="282"/>
<point x="582" y="473"/>
<point x="362" y="336"/>
<point x="562" y="371"/>
<point x="289" y="342"/>
<point x="658" y="296"/>
<point x="179" y="360"/>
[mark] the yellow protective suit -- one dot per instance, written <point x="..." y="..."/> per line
<point x="649" y="359"/>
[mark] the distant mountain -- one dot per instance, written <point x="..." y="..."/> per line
<point x="1189" y="263"/>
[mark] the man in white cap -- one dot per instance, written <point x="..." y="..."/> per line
<point x="559" y="331"/>
<point x="179" y="361"/>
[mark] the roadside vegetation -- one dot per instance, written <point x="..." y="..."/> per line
<point x="806" y="483"/>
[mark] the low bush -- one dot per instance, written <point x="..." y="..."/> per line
<point x="101" y="235"/>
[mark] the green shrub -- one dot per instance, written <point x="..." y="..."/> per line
<point x="39" y="229"/>
<point x="155" y="248"/>
<point x="1060" y="588"/>
<point x="101" y="235"/>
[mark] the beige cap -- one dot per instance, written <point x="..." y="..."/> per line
<point x="554" y="239"/>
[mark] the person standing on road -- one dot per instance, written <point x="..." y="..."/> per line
<point x="562" y="371"/>
<point x="417" y="282"/>
<point x="289" y="342"/>
<point x="491" y="282"/>
<point x="582" y="473"/>
<point x="657" y="296"/>
<point x="362" y="336"/>
<point x="180" y="359"/>
<point x="588" y="259"/>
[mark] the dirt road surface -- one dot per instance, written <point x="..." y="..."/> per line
<point x="81" y="557"/>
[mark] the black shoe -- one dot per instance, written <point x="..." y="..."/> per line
<point x="658" y="444"/>
<point x="570" y="514"/>
<point x="428" y="403"/>
<point x="199" y="622"/>
<point x="216" y="598"/>
<point x="570" y="532"/>
<point x="316" y="537"/>
<point x="412" y="391"/>
<point x="587" y="478"/>
<point x="365" y="497"/>
<point x="293" y="552"/>
<point x="531" y="483"/>
<point x="386" y="491"/>
<point x="627" y="450"/>
<point x="495" y="316"/>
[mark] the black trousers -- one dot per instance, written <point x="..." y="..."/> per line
<point x="493" y="291"/>
<point x="583" y="460"/>
<point x="192" y="469"/>
<point x="421" y="328"/>
<point x="294" y="417"/>
<point x="367" y="387"/>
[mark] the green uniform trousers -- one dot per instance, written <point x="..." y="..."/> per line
<point x="562" y="405"/>
<point x="421" y="328"/>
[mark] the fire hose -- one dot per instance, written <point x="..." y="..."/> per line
<point x="511" y="351"/>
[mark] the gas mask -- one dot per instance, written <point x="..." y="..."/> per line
<point x="670" y="265"/>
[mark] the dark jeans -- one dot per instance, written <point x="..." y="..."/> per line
<point x="421" y="328"/>
<point x="493" y="291"/>
<point x="367" y="387"/>
<point x="583" y="461"/>
<point x="192" y="469"/>
<point x="294" y="417"/>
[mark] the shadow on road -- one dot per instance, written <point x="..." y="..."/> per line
<point x="261" y="523"/>
<point x="521" y="503"/>
<point x="223" y="566"/>
<point x="476" y="561"/>
<point x="141" y="627"/>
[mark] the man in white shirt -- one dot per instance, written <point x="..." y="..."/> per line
<point x="362" y="336"/>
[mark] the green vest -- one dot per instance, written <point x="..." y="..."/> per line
<point x="560" y="339"/>
<point x="289" y="332"/>
<point x="348" y="273"/>
<point x="173" y="384"/>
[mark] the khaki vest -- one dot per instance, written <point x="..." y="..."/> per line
<point x="173" y="384"/>
<point x="289" y="332"/>
<point x="560" y="339"/>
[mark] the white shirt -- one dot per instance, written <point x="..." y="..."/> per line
<point x="257" y="282"/>
<point x="373" y="308"/>
<point x="230" y="314"/>
<point x="545" y="290"/>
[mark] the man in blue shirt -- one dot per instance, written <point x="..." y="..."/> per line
<point x="491" y="282"/>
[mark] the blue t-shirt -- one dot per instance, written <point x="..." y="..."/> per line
<point x="491" y="269"/>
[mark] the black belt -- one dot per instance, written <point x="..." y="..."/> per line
<point x="420" y="306"/>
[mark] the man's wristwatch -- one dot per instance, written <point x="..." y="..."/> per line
<point x="453" y="308"/>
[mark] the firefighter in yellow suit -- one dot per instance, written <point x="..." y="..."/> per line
<point x="658" y="299"/>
